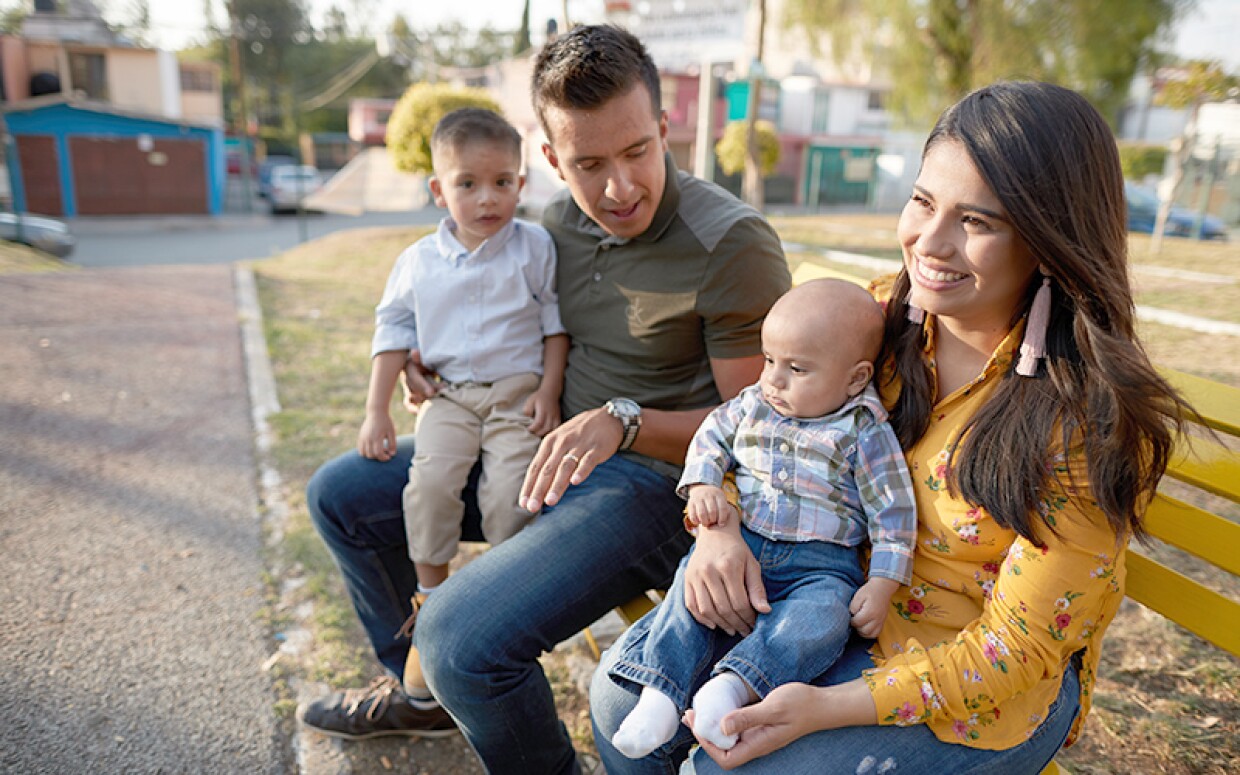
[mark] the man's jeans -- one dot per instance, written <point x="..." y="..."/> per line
<point x="809" y="585"/>
<point x="869" y="749"/>
<point x="481" y="633"/>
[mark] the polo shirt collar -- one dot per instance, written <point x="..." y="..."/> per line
<point x="450" y="247"/>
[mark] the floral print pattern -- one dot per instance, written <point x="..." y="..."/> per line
<point x="989" y="621"/>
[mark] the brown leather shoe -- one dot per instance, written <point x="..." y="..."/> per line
<point x="378" y="710"/>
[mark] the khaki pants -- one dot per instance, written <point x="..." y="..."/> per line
<point x="453" y="428"/>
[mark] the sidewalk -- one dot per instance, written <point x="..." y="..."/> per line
<point x="131" y="634"/>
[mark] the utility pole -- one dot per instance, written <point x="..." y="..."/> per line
<point x="241" y="109"/>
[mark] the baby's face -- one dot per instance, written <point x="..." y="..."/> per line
<point x="806" y="372"/>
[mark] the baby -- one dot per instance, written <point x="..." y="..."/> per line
<point x="819" y="470"/>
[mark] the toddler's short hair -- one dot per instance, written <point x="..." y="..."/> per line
<point x="468" y="125"/>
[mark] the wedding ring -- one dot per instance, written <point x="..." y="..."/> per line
<point x="572" y="457"/>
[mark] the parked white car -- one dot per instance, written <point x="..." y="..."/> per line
<point x="290" y="184"/>
<point x="46" y="234"/>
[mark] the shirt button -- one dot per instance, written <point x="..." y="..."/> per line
<point x="783" y="447"/>
<point x="783" y="476"/>
<point x="605" y="246"/>
<point x="598" y="276"/>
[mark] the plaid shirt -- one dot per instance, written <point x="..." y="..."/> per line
<point x="835" y="478"/>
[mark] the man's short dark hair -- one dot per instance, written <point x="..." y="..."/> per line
<point x="468" y="125"/>
<point x="590" y="65"/>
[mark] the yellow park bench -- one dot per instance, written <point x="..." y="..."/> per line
<point x="1204" y="462"/>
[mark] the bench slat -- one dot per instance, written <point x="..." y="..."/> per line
<point x="635" y="609"/>
<point x="1196" y="531"/>
<point x="808" y="270"/>
<point x="1208" y="465"/>
<point x="1218" y="404"/>
<point x="1184" y="601"/>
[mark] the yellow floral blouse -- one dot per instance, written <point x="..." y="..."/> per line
<point x="976" y="644"/>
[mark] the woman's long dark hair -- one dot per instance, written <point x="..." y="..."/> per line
<point x="1053" y="164"/>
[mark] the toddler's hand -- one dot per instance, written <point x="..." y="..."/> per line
<point x="708" y="506"/>
<point x="869" y="605"/>
<point x="377" y="438"/>
<point x="545" y="411"/>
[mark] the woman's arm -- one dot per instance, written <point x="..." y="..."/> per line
<point x="788" y="713"/>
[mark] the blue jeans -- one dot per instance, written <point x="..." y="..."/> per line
<point x="809" y="586"/>
<point x="480" y="635"/>
<point x="870" y="749"/>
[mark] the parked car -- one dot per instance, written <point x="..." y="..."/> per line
<point x="264" y="172"/>
<point x="1143" y="213"/>
<point x="290" y="184"/>
<point x="46" y="234"/>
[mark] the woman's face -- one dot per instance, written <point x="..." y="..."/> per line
<point x="965" y="261"/>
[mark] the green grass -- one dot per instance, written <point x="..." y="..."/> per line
<point x="15" y="258"/>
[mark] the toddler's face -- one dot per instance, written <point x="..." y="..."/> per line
<point x="480" y="184"/>
<point x="807" y="372"/>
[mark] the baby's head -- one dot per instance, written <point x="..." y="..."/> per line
<point x="819" y="343"/>
<point x="477" y="160"/>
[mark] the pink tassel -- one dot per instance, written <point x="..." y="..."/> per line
<point x="1034" y="346"/>
<point x="914" y="313"/>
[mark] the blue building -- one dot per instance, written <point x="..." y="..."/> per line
<point x="75" y="157"/>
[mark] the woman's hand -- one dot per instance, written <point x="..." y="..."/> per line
<point x="786" y="714"/>
<point x="567" y="455"/>
<point x="723" y="581"/>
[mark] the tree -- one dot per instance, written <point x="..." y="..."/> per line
<point x="936" y="51"/>
<point x="521" y="43"/>
<point x="1191" y="87"/>
<point x="415" y="116"/>
<point x="732" y="148"/>
<point x="752" y="189"/>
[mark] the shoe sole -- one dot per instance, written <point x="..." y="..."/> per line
<point x="426" y="733"/>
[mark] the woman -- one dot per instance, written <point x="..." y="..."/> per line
<point x="1035" y="430"/>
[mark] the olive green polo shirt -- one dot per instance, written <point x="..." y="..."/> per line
<point x="646" y="314"/>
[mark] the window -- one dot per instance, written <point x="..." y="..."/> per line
<point x="877" y="101"/>
<point x="822" y="104"/>
<point x="89" y="75"/>
<point x="196" y="79"/>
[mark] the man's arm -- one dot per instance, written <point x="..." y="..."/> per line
<point x="568" y="454"/>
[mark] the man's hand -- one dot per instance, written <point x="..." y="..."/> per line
<point x="723" y="581"/>
<point x="417" y="381"/>
<point x="544" y="408"/>
<point x="377" y="438"/>
<point x="870" y="604"/>
<point x="708" y="506"/>
<point x="567" y="455"/>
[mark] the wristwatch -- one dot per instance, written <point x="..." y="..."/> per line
<point x="629" y="414"/>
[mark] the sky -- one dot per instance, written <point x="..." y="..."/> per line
<point x="1210" y="32"/>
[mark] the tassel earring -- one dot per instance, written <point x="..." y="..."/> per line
<point x="913" y="313"/>
<point x="1033" y="348"/>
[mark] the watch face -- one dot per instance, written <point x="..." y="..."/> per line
<point x="624" y="408"/>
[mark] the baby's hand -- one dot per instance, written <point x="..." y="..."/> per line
<point x="869" y="605"/>
<point x="377" y="438"/>
<point x="545" y="411"/>
<point x="708" y="506"/>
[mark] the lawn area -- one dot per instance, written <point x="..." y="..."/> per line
<point x="1165" y="701"/>
<point x="19" y="258"/>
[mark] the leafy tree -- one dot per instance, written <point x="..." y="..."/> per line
<point x="731" y="148"/>
<point x="936" y="51"/>
<point x="12" y="16"/>
<point x="415" y="116"/>
<point x="521" y="43"/>
<point x="1140" y="160"/>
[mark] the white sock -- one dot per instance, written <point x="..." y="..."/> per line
<point x="426" y="590"/>
<point x="650" y="724"/>
<point x="717" y="698"/>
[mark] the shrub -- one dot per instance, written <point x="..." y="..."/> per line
<point x="730" y="149"/>
<point x="415" y="115"/>
<point x="1141" y="160"/>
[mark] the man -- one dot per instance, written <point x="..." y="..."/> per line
<point x="664" y="281"/>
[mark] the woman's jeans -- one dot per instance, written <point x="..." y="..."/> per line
<point x="480" y="635"/>
<point x="871" y="749"/>
<point x="809" y="584"/>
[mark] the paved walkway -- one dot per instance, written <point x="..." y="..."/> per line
<point x="130" y="541"/>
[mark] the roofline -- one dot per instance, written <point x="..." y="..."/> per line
<point x="93" y="106"/>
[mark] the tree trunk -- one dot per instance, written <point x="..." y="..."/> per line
<point x="751" y="181"/>
<point x="1181" y="150"/>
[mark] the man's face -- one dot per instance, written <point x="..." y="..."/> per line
<point x="612" y="159"/>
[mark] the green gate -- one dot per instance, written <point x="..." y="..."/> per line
<point x="836" y="175"/>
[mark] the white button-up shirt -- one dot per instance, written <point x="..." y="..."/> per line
<point x="475" y="316"/>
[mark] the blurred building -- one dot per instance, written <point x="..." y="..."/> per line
<point x="103" y="126"/>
